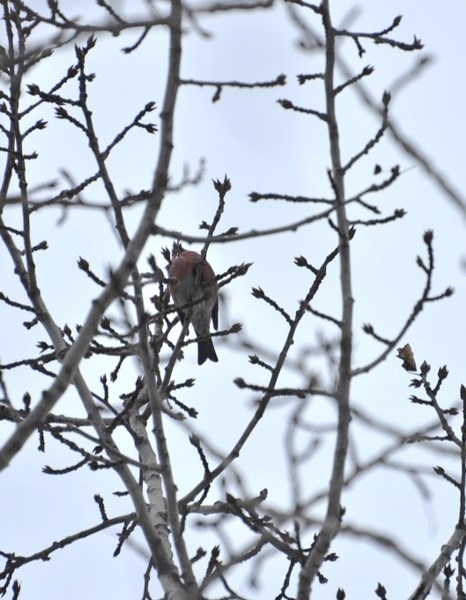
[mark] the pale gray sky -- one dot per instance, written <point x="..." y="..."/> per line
<point x="262" y="148"/>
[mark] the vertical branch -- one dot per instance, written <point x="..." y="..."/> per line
<point x="95" y="147"/>
<point x="10" y="161"/>
<point x="462" y="515"/>
<point x="332" y="519"/>
<point x="154" y="487"/>
<point x="461" y="519"/>
<point x="159" y="185"/>
<point x="153" y="482"/>
<point x="16" y="66"/>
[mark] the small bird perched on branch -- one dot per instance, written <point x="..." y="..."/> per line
<point x="192" y="278"/>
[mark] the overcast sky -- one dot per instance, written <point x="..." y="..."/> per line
<point x="262" y="148"/>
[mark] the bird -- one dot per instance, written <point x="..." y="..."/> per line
<point x="191" y="278"/>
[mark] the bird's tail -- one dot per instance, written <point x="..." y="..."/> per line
<point x="206" y="350"/>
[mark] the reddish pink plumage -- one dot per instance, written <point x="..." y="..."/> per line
<point x="192" y="278"/>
